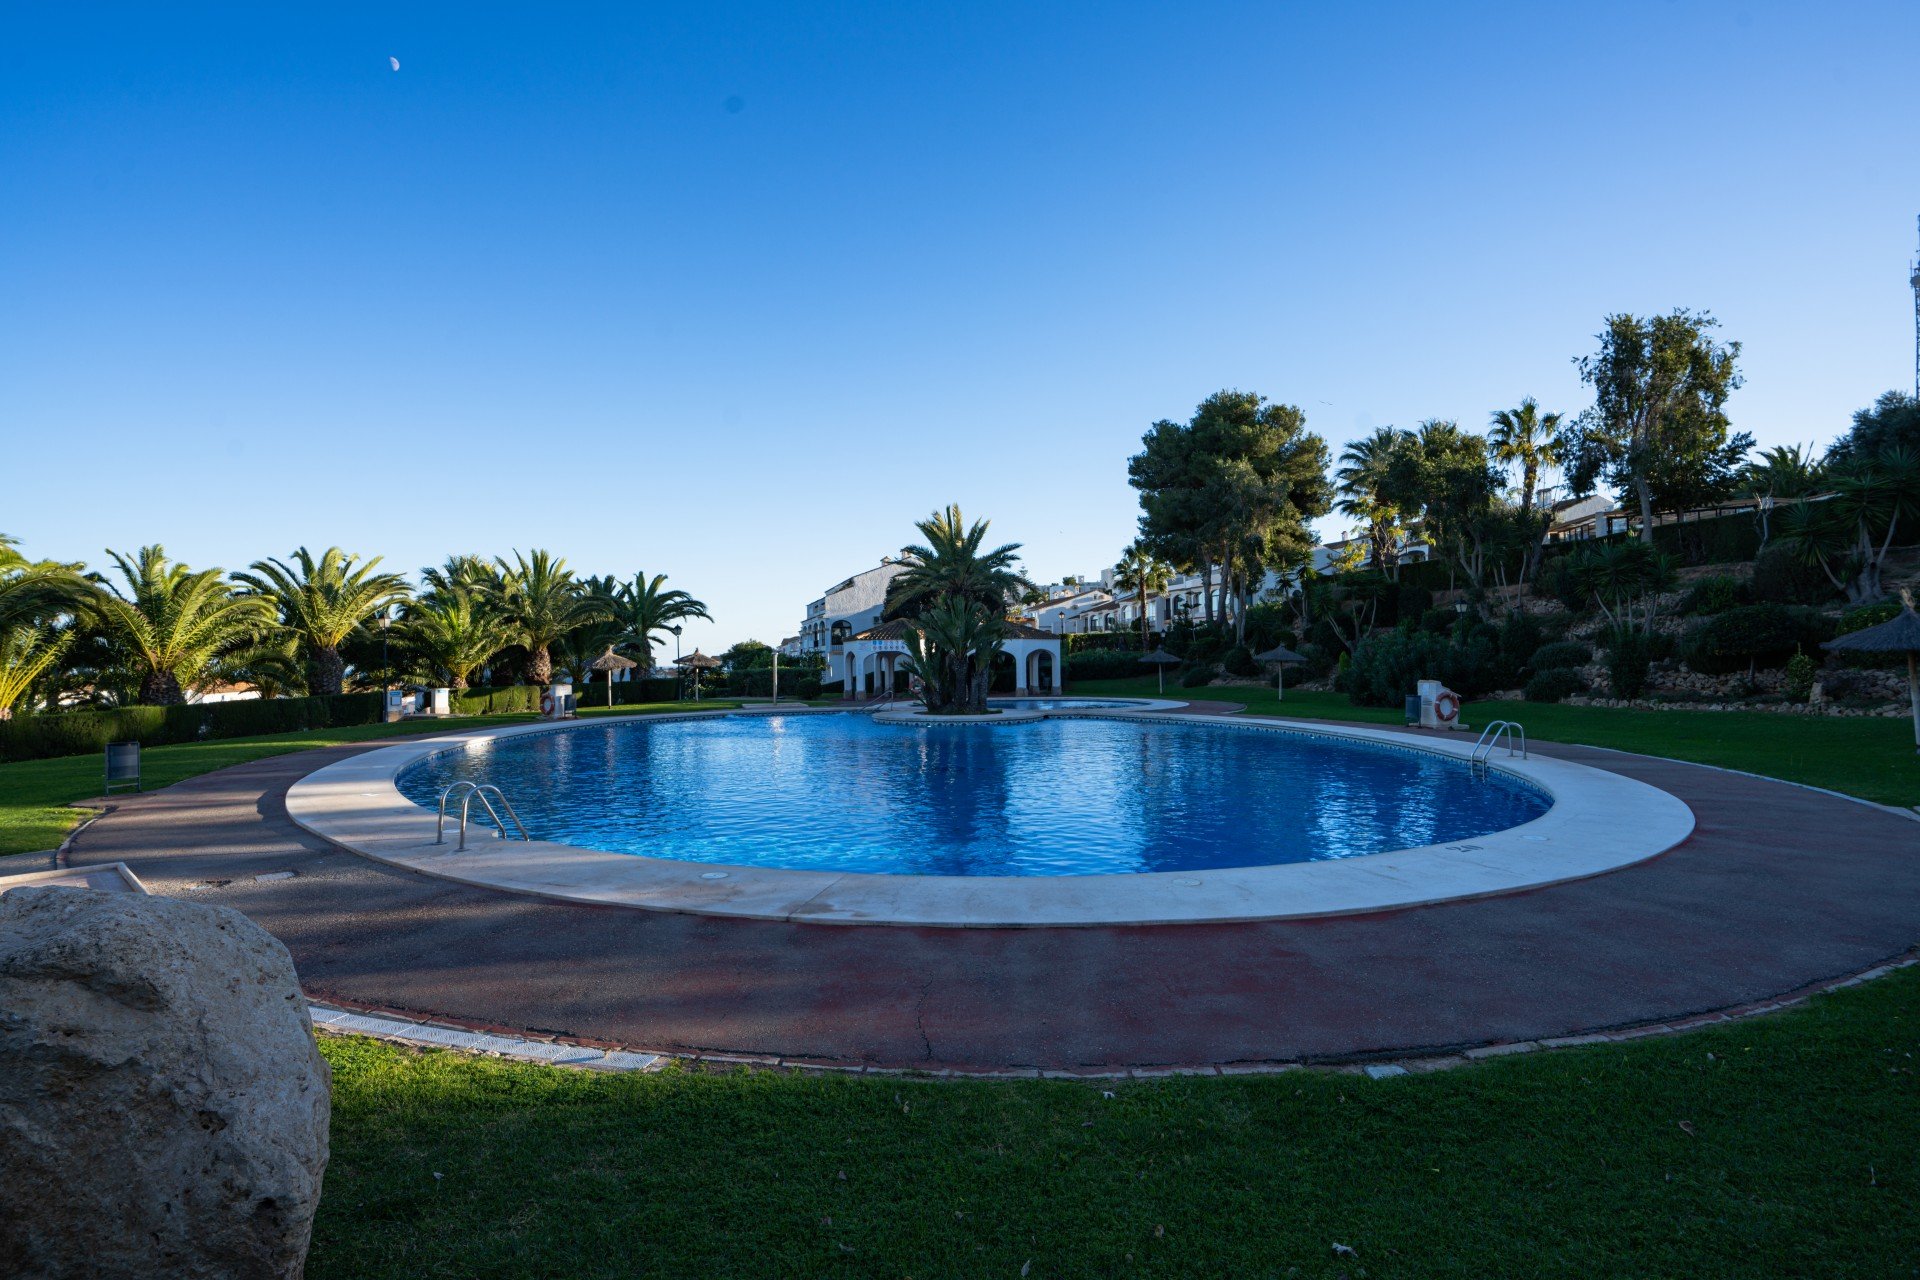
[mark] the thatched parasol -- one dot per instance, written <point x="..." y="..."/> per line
<point x="611" y="662"/>
<point x="1279" y="656"/>
<point x="1160" y="659"/>
<point x="696" y="662"/>
<point x="1900" y="635"/>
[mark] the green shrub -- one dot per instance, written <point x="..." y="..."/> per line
<point x="1860" y="617"/>
<point x="1558" y="580"/>
<point x="1388" y="664"/>
<point x="1716" y="594"/>
<point x="1521" y="636"/>
<point x="1105" y="664"/>
<point x="1800" y="673"/>
<point x="1781" y="577"/>
<point x="1555" y="684"/>
<point x="1239" y="662"/>
<point x="1760" y="635"/>
<point x="1561" y="653"/>
<point x="502" y="700"/>
<point x="1196" y="675"/>
<point x="1629" y="658"/>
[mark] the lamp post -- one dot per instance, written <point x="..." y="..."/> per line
<point x="676" y="651"/>
<point x="386" y="669"/>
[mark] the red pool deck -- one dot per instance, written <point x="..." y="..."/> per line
<point x="1779" y="888"/>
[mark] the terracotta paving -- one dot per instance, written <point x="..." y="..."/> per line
<point x="1779" y="888"/>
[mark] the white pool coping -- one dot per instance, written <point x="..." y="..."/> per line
<point x="1599" y="822"/>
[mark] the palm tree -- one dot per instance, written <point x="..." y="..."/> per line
<point x="1528" y="437"/>
<point x="453" y="633"/>
<point x="323" y="602"/>
<point x="1362" y="480"/>
<point x="175" y="622"/>
<point x="644" y="608"/>
<point x="952" y="565"/>
<point x="1143" y="573"/>
<point x="540" y="601"/>
<point x="39" y="600"/>
<point x="950" y="648"/>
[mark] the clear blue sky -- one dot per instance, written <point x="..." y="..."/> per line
<point x="736" y="292"/>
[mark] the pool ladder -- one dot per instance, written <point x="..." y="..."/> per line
<point x="467" y="792"/>
<point x="1483" y="746"/>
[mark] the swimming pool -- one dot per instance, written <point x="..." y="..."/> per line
<point x="1060" y="797"/>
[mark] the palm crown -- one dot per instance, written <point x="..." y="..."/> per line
<point x="175" y="622"/>
<point x="951" y="564"/>
<point x="540" y="601"/>
<point x="323" y="601"/>
<point x="1528" y="437"/>
<point x="644" y="608"/>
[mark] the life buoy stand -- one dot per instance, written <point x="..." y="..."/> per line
<point x="546" y="704"/>
<point x="1446" y="707"/>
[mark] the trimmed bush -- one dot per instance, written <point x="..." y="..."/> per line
<point x="1629" y="658"/>
<point x="1105" y="664"/>
<point x="1195" y="676"/>
<point x="1716" y="594"/>
<point x="1388" y="664"/>
<point x="1554" y="684"/>
<point x="1561" y="653"/>
<point x="1759" y="635"/>
<point x="1800" y="673"/>
<point x="501" y="700"/>
<point x="1239" y="662"/>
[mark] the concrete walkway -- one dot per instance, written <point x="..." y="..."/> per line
<point x="1780" y="888"/>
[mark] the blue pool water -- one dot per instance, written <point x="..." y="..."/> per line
<point x="1047" y="798"/>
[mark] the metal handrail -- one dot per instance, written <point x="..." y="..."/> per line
<point x="1483" y="746"/>
<point x="467" y="792"/>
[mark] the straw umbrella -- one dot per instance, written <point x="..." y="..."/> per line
<point x="611" y="662"/>
<point x="1160" y="660"/>
<point x="696" y="662"/>
<point x="1279" y="656"/>
<point x="1901" y="635"/>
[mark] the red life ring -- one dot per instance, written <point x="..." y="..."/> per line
<point x="1446" y="707"/>
<point x="546" y="704"/>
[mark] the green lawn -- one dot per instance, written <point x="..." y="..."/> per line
<point x="35" y="794"/>
<point x="1788" y="1145"/>
<point x="1871" y="757"/>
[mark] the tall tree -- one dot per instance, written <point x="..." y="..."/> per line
<point x="1528" y="437"/>
<point x="1891" y="422"/>
<point x="646" y="607"/>
<point x="175" y="622"/>
<point x="1447" y="476"/>
<point x="1142" y="573"/>
<point x="1362" y="477"/>
<point x="953" y="563"/>
<point x="322" y="601"/>
<point x="1235" y="488"/>
<point x="540" y="601"/>
<point x="1658" y="425"/>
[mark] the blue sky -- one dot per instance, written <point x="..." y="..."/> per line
<point x="736" y="292"/>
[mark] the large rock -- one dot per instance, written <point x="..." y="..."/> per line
<point x="163" y="1106"/>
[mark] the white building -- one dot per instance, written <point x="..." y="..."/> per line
<point x="846" y="609"/>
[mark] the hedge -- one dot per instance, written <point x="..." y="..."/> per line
<point x="1561" y="653"/>
<point x="500" y="700"/>
<point x="628" y="692"/>
<point x="70" y="733"/>
<point x="1762" y="635"/>
<point x="1105" y="664"/>
<point x="1554" y="684"/>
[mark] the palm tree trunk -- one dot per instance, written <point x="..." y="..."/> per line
<point x="160" y="689"/>
<point x="1645" y="495"/>
<point x="1529" y="476"/>
<point x="327" y="670"/>
<point x="539" y="665"/>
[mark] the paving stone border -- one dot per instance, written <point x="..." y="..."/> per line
<point x="332" y="1018"/>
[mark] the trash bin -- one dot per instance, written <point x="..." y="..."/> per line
<point x="1413" y="708"/>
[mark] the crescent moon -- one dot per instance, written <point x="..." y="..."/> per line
<point x="395" y="62"/>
